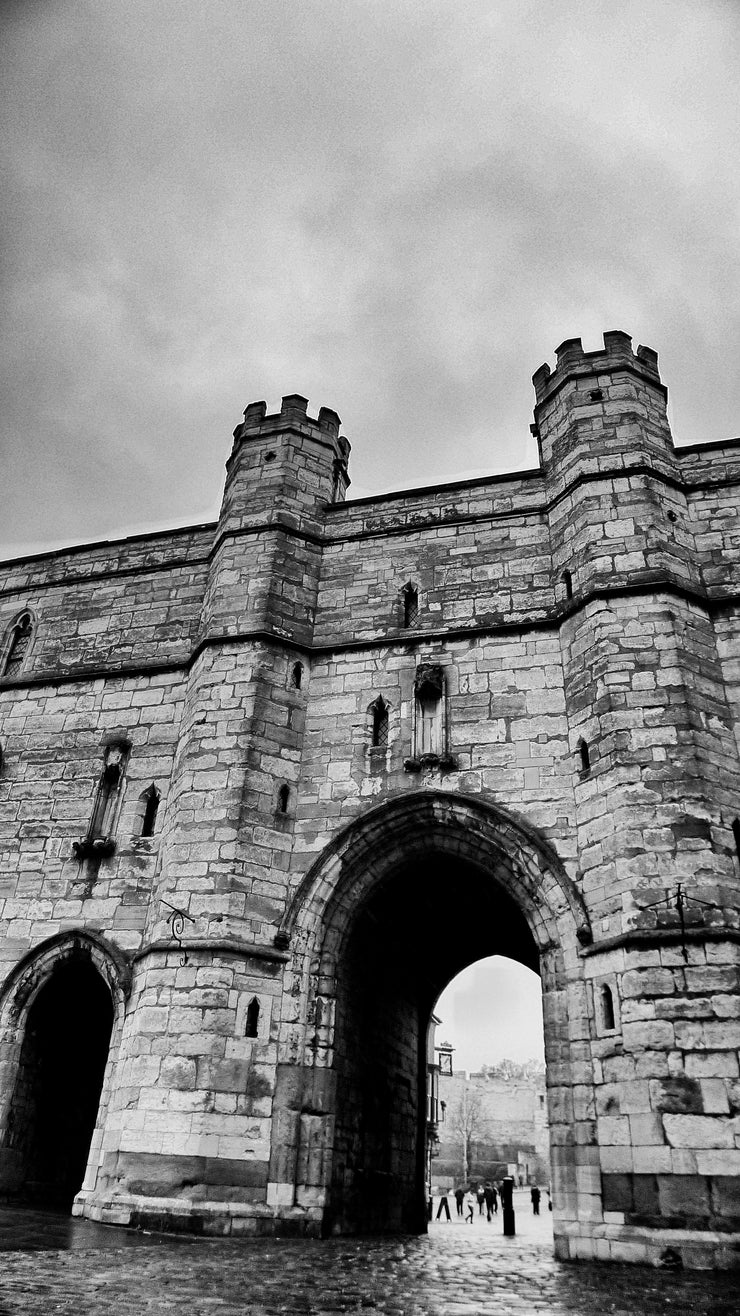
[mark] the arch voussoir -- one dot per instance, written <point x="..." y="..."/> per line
<point x="477" y="832"/>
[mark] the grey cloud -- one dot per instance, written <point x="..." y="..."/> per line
<point x="397" y="210"/>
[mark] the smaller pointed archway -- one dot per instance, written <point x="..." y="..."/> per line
<point x="54" y="1106"/>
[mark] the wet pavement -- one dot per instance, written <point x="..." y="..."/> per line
<point x="50" y="1264"/>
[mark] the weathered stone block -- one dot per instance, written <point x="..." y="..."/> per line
<point x="698" y="1131"/>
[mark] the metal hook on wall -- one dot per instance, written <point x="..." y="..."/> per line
<point x="678" y="900"/>
<point x="176" y="924"/>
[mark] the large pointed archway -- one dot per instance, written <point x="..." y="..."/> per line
<point x="59" y="1008"/>
<point x="397" y="904"/>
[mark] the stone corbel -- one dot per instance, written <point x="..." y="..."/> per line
<point x="93" y="847"/>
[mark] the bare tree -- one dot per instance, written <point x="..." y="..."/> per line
<point x="468" y="1124"/>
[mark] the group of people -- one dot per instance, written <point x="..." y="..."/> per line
<point x="486" y="1196"/>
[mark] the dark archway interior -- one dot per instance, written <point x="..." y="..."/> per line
<point x="57" y="1091"/>
<point x="422" y="925"/>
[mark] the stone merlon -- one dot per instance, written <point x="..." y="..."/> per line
<point x="616" y="354"/>
<point x="293" y="413"/>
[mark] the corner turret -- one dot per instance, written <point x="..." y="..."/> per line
<point x="287" y="460"/>
<point x="284" y="470"/>
<point x="607" y="406"/>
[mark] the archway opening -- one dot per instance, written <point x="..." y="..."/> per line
<point x="57" y="1091"/>
<point x="422" y="923"/>
<point x="487" y="1117"/>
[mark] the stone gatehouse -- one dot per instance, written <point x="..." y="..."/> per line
<point x="268" y="785"/>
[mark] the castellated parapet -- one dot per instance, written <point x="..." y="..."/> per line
<point x="267" y="785"/>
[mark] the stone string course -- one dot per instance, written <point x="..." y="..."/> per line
<point x="595" y="599"/>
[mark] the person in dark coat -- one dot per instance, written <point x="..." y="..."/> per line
<point x="480" y="1193"/>
<point x="489" y="1194"/>
<point x="535" y="1195"/>
<point x="459" y="1199"/>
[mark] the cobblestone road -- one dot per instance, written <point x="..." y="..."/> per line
<point x="457" y="1270"/>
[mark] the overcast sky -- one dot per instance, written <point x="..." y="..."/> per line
<point x="396" y="208"/>
<point x="492" y="1011"/>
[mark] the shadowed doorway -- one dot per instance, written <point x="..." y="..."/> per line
<point x="57" y="1090"/>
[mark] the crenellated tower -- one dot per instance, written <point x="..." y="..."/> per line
<point x="648" y="716"/>
<point x="223" y="876"/>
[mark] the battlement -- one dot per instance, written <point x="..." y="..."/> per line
<point x="616" y="354"/>
<point x="293" y="414"/>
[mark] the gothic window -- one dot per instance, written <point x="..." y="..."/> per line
<point x="584" y="756"/>
<point x="253" y="1017"/>
<point x="378" y="713"/>
<point x="17" y="645"/>
<point x="296" y="676"/>
<point x="283" y="798"/>
<point x="567" y="580"/>
<point x="147" y="810"/>
<point x="429" y="700"/>
<point x="410" y="605"/>
<point x="735" y="833"/>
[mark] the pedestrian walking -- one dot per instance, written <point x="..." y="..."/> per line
<point x="535" y="1195"/>
<point x="443" y="1206"/>
<point x="469" y="1207"/>
<point x="495" y="1199"/>
<point x="481" y="1195"/>
<point x="488" y="1193"/>
<point x="459" y="1199"/>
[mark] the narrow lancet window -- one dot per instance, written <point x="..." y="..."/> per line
<point x="296" y="676"/>
<point x="607" y="1008"/>
<point x="585" y="757"/>
<point x="736" y="834"/>
<point x="18" y="645"/>
<point x="379" y="723"/>
<point x="410" y="605"/>
<point x="253" y="1018"/>
<point x="567" y="580"/>
<point x="283" y="798"/>
<point x="149" y="803"/>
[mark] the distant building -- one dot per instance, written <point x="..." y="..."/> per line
<point x="507" y="1128"/>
